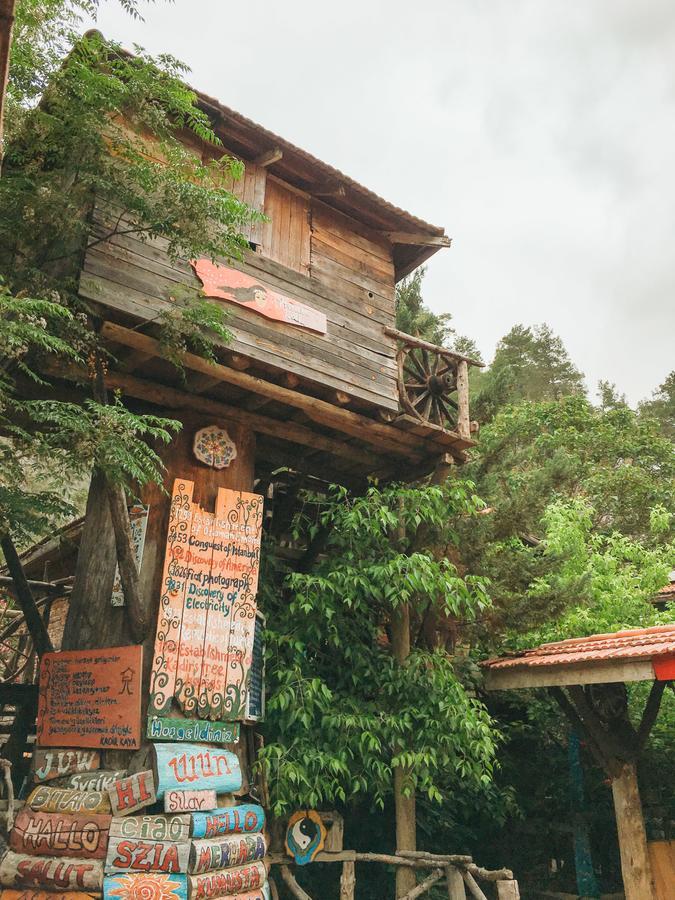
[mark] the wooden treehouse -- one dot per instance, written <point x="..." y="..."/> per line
<point x="317" y="370"/>
<point x="316" y="386"/>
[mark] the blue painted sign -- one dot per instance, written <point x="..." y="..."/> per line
<point x="132" y="885"/>
<point x="162" y="728"/>
<point x="247" y="818"/>
<point x="182" y="767"/>
<point x="225" y="852"/>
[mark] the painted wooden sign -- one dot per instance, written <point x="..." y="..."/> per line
<point x="132" y="793"/>
<point x="138" y="521"/>
<point x="91" y="698"/>
<point x="95" y="781"/>
<point x="305" y="836"/>
<point x="138" y="855"/>
<point x="183" y="767"/>
<point x="29" y="894"/>
<point x="50" y="764"/>
<point x="67" y="800"/>
<point x="225" y="852"/>
<point x="214" y="447"/>
<point x="261" y="893"/>
<point x="161" y="728"/>
<point x="145" y="886"/>
<point x="243" y="819"/>
<point x="228" y="882"/>
<point x="190" y="801"/>
<point x="238" y="287"/>
<point x="51" y="873"/>
<point x="205" y="629"/>
<point x="60" y="834"/>
<point x="154" y="828"/>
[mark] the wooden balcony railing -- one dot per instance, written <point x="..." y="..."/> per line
<point x="433" y="383"/>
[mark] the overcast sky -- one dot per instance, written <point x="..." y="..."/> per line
<point x="539" y="133"/>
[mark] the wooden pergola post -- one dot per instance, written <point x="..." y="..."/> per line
<point x="593" y="697"/>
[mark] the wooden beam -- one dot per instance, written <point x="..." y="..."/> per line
<point x="269" y="157"/>
<point x="329" y="190"/>
<point x="426" y="345"/>
<point x="175" y="399"/>
<point x="559" y="676"/>
<point x="419" y="240"/>
<point x="463" y="419"/>
<point x="320" y="411"/>
<point x="36" y="625"/>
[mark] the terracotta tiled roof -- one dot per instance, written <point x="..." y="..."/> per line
<point x="666" y="593"/>
<point x="638" y="643"/>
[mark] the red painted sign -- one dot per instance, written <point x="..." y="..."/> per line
<point x="664" y="668"/>
<point x="238" y="287"/>
<point x="91" y="698"/>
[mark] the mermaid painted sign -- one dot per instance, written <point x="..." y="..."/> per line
<point x="226" y="283"/>
<point x="206" y="625"/>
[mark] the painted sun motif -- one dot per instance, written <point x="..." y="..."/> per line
<point x="214" y="446"/>
<point x="150" y="886"/>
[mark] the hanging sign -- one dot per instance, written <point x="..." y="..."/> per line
<point x="60" y="834"/>
<point x="67" y="800"/>
<point x="305" y="836"/>
<point x="145" y="886"/>
<point x="229" y="882"/>
<point x="161" y="728"/>
<point x="255" y="696"/>
<point x="189" y="801"/>
<point x="225" y="852"/>
<point x="230" y="284"/>
<point x="242" y="819"/>
<point x="138" y="522"/>
<point x="205" y="629"/>
<point x="132" y="793"/>
<point x="91" y="698"/>
<point x="50" y="764"/>
<point x="51" y="873"/>
<point x="183" y="767"/>
<point x="31" y="894"/>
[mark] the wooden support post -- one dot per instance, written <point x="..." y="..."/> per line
<point x="347" y="881"/>
<point x="508" y="890"/>
<point x="424" y="886"/>
<point x="472" y="885"/>
<point x="24" y="595"/>
<point x="463" y="420"/>
<point x="455" y="883"/>
<point x="635" y="864"/>
<point x="134" y="606"/>
<point x="292" y="884"/>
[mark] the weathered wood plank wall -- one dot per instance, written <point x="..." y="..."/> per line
<point x="307" y="251"/>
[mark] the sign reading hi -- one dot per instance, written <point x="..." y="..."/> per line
<point x="206" y="624"/>
<point x="91" y="698"/>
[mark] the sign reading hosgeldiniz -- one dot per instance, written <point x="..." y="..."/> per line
<point x="226" y="283"/>
<point x="206" y="624"/>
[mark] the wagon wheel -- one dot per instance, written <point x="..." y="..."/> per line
<point x="426" y="382"/>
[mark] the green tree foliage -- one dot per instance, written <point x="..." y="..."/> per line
<point x="341" y="711"/>
<point x="530" y="363"/>
<point x="108" y="128"/>
<point x="662" y="406"/>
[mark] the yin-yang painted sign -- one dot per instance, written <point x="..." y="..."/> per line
<point x="305" y="836"/>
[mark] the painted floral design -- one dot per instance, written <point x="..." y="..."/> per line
<point x="149" y="886"/>
<point x="214" y="447"/>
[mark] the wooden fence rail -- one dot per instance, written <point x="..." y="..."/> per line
<point x="460" y="873"/>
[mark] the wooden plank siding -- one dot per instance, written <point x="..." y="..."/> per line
<point x="316" y="258"/>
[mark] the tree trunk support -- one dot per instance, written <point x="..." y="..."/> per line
<point x="455" y="884"/>
<point x="348" y="880"/>
<point x="24" y="595"/>
<point x="126" y="561"/>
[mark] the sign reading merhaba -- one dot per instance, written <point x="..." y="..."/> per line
<point x="206" y="624"/>
<point x="91" y="698"/>
<point x="226" y="283"/>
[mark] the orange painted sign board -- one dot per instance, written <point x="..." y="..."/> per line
<point x="91" y="698"/>
<point x="206" y="625"/>
<point x="230" y="284"/>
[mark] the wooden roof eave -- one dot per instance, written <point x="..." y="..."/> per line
<point x="601" y="672"/>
